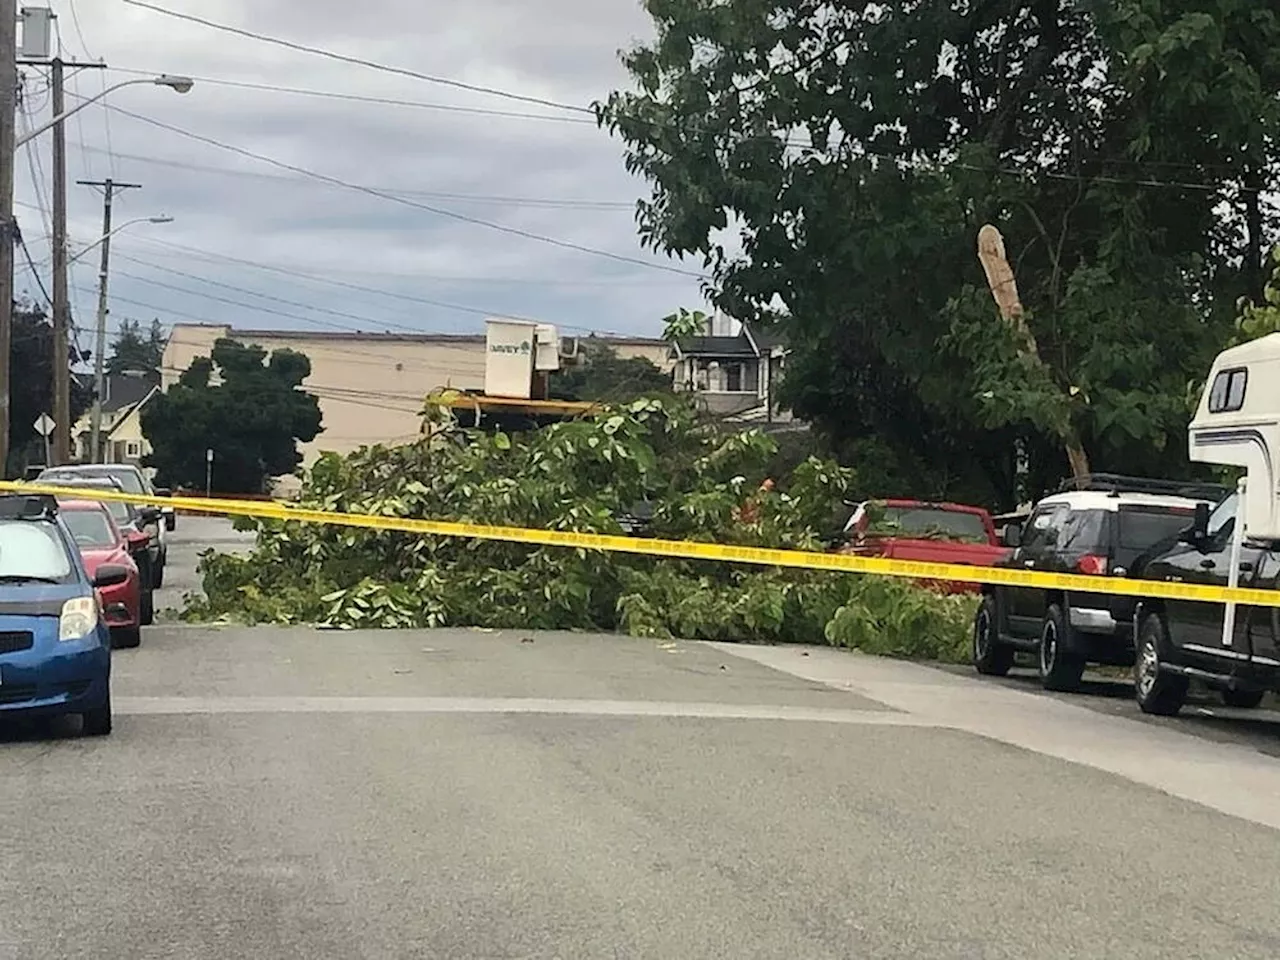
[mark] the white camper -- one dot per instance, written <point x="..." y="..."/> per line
<point x="1238" y="424"/>
<point x="1237" y="543"/>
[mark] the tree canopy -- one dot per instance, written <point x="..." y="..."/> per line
<point x="135" y="350"/>
<point x="604" y="376"/>
<point x="252" y="417"/>
<point x="1120" y="148"/>
<point x="31" y="384"/>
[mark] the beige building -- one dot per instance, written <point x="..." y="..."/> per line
<point x="370" y="386"/>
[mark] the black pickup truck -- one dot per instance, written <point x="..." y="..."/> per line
<point x="1178" y="640"/>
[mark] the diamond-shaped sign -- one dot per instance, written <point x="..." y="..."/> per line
<point x="45" y="425"/>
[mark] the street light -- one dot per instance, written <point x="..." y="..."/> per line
<point x="177" y="84"/>
<point x="107" y="236"/>
<point x="100" y="344"/>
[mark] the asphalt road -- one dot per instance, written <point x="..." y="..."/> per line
<point x="464" y="794"/>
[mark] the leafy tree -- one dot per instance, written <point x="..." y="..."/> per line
<point x="574" y="475"/>
<point x="602" y="375"/>
<point x="252" y="418"/>
<point x="683" y="323"/>
<point x="134" y="350"/>
<point x="859" y="148"/>
<point x="31" y="385"/>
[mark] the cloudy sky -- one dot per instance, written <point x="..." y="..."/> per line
<point x="253" y="244"/>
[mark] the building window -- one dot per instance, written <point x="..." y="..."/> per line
<point x="733" y="377"/>
<point x="132" y="449"/>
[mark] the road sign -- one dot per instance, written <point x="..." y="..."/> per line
<point x="44" y="425"/>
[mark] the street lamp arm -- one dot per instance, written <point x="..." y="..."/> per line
<point x="180" y="84"/>
<point x="105" y="237"/>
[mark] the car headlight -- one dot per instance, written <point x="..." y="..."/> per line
<point x="79" y="618"/>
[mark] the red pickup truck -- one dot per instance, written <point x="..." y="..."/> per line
<point x="931" y="532"/>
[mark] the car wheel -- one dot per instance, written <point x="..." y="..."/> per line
<point x="1158" y="691"/>
<point x="1060" y="669"/>
<point x="1243" y="699"/>
<point x="147" y="608"/>
<point x="990" y="657"/>
<point x="97" y="722"/>
<point x="126" y="638"/>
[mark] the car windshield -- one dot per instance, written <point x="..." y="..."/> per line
<point x="130" y="482"/>
<point x="925" y="522"/>
<point x="32" y="551"/>
<point x="91" y="528"/>
<point x="1144" y="527"/>
<point x="121" y="513"/>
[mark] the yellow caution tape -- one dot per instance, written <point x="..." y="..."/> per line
<point x="682" y="549"/>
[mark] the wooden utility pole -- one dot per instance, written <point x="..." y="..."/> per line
<point x="61" y="447"/>
<point x="109" y="187"/>
<point x="61" y="358"/>
<point x="8" y="235"/>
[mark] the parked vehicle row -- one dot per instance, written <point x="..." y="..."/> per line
<point x="1159" y="531"/>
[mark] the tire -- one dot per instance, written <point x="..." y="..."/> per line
<point x="157" y="579"/>
<point x="1158" y="692"/>
<point x="1243" y="699"/>
<point x="126" y="638"/>
<point x="147" y="608"/>
<point x="97" y="722"/>
<point x="991" y="658"/>
<point x="1060" y="669"/>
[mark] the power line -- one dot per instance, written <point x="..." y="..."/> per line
<point x="364" y="98"/>
<point x="405" y="201"/>
<point x="358" y="61"/>
<point x="554" y="203"/>
<point x="174" y="248"/>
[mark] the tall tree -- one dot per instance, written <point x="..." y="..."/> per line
<point x="31" y="385"/>
<point x="134" y="350"/>
<point x="860" y="148"/>
<point x="252" y="418"/>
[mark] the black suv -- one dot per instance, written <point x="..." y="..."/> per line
<point x="1179" y="640"/>
<point x="1097" y="525"/>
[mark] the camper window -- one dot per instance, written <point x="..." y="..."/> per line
<point x="1227" y="395"/>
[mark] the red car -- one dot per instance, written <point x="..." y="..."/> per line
<point x="928" y="532"/>
<point x="102" y="542"/>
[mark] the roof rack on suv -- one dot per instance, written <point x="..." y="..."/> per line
<point x="1117" y="483"/>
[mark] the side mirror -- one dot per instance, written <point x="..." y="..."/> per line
<point x="1199" y="529"/>
<point x="137" y="539"/>
<point x="110" y="575"/>
<point x="149" y="515"/>
<point x="1011" y="535"/>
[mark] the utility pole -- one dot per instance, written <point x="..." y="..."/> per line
<point x="61" y="307"/>
<point x="8" y="117"/>
<point x="109" y="187"/>
<point x="61" y="358"/>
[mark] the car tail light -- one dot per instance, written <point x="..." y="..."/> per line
<point x="1093" y="565"/>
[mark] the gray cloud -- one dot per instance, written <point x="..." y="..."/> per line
<point x="224" y="204"/>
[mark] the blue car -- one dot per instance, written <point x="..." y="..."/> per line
<point x="55" y="647"/>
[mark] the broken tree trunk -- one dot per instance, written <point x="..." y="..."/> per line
<point x="1004" y="289"/>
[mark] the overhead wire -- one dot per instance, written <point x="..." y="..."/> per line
<point x="460" y="308"/>
<point x="357" y="61"/>
<point x="198" y="252"/>
<point x="554" y="203"/>
<point x="364" y="98"/>
<point x="405" y="201"/>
